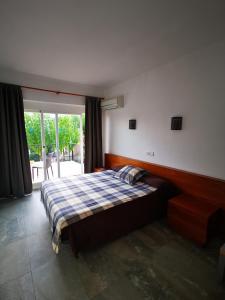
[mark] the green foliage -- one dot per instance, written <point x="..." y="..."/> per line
<point x="33" y="132"/>
<point x="69" y="132"/>
<point x="49" y="127"/>
<point x="34" y="156"/>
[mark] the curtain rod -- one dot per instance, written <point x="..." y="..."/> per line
<point x="55" y="92"/>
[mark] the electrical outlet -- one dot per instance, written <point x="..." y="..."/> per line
<point x="150" y="153"/>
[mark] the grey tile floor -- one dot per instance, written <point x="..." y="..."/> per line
<point x="150" y="263"/>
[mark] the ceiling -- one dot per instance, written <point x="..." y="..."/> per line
<point x="103" y="42"/>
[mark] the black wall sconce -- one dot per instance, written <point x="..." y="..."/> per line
<point x="176" y="123"/>
<point x="132" y="124"/>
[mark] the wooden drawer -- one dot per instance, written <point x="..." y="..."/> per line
<point x="192" y="217"/>
<point x="186" y="216"/>
<point x="189" y="230"/>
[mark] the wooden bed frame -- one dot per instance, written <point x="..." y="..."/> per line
<point x="102" y="227"/>
<point x="114" y="222"/>
<point x="118" y="221"/>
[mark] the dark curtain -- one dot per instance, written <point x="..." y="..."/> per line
<point x="93" y="134"/>
<point x="15" y="176"/>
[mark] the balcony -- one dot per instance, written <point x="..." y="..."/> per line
<point x="69" y="161"/>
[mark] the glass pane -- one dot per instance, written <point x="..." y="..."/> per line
<point x="50" y="146"/>
<point x="83" y="133"/>
<point x="33" y="133"/>
<point x="69" y="144"/>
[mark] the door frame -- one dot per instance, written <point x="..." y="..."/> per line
<point x="56" y="110"/>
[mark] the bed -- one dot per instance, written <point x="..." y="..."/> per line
<point x="94" y="208"/>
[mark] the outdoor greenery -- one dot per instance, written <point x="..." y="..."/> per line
<point x="69" y="132"/>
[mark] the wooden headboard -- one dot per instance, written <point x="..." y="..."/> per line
<point x="209" y="188"/>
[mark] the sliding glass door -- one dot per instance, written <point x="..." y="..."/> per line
<point x="34" y="139"/>
<point x="69" y="144"/>
<point x="55" y="143"/>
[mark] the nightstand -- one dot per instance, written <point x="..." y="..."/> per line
<point x="99" y="169"/>
<point x="192" y="217"/>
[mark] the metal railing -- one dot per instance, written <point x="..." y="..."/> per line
<point x="66" y="153"/>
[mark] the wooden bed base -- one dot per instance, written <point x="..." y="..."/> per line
<point x="115" y="222"/>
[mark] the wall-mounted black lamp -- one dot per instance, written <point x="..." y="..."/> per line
<point x="132" y="124"/>
<point x="176" y="123"/>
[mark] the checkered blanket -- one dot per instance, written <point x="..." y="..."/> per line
<point x="70" y="199"/>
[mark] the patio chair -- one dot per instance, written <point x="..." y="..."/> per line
<point x="54" y="156"/>
<point x="49" y="164"/>
<point x="40" y="165"/>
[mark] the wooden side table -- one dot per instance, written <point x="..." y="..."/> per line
<point x="192" y="217"/>
<point x="99" y="169"/>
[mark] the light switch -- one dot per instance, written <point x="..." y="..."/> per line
<point x="150" y="153"/>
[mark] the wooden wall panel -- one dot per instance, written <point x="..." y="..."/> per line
<point x="211" y="189"/>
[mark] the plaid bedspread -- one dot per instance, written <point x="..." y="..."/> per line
<point x="70" y="199"/>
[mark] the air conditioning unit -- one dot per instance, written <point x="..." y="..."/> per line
<point x="112" y="103"/>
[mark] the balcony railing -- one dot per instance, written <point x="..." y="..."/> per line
<point x="67" y="153"/>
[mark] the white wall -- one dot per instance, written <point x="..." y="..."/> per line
<point x="15" y="77"/>
<point x="193" y="87"/>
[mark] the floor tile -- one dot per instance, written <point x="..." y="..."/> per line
<point x="12" y="229"/>
<point x="14" y="260"/>
<point x="17" y="289"/>
<point x="59" y="279"/>
<point x="34" y="215"/>
<point x="40" y="249"/>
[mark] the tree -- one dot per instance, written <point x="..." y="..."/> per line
<point x="33" y="132"/>
<point x="69" y="132"/>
